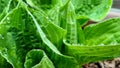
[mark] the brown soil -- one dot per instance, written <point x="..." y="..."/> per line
<point x="115" y="63"/>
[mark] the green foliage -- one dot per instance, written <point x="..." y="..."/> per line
<point x="49" y="34"/>
<point x="37" y="59"/>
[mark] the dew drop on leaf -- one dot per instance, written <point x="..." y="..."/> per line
<point x="1" y="36"/>
<point x="4" y="52"/>
<point x="8" y="20"/>
<point x="101" y="44"/>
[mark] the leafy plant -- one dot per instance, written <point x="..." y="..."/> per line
<point x="49" y="33"/>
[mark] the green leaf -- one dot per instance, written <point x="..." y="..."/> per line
<point x="53" y="15"/>
<point x="87" y="54"/>
<point x="102" y="42"/>
<point x="3" y="5"/>
<point x="82" y="20"/>
<point x="103" y="33"/>
<point x="44" y="5"/>
<point x="4" y="63"/>
<point x="7" y="44"/>
<point x="57" y="58"/>
<point x="103" y="51"/>
<point x="42" y="34"/>
<point x="68" y="22"/>
<point x="15" y="32"/>
<point x="6" y="7"/>
<point x="36" y="58"/>
<point x="92" y="9"/>
<point x="54" y="33"/>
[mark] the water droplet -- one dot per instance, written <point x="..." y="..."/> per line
<point x="114" y="43"/>
<point x="47" y="17"/>
<point x="102" y="44"/>
<point x="8" y="20"/>
<point x="4" y="52"/>
<point x="44" y="36"/>
<point x="1" y="36"/>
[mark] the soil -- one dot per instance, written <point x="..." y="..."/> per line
<point x="115" y="63"/>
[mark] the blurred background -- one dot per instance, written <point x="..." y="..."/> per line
<point x="116" y="4"/>
<point x="115" y="11"/>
